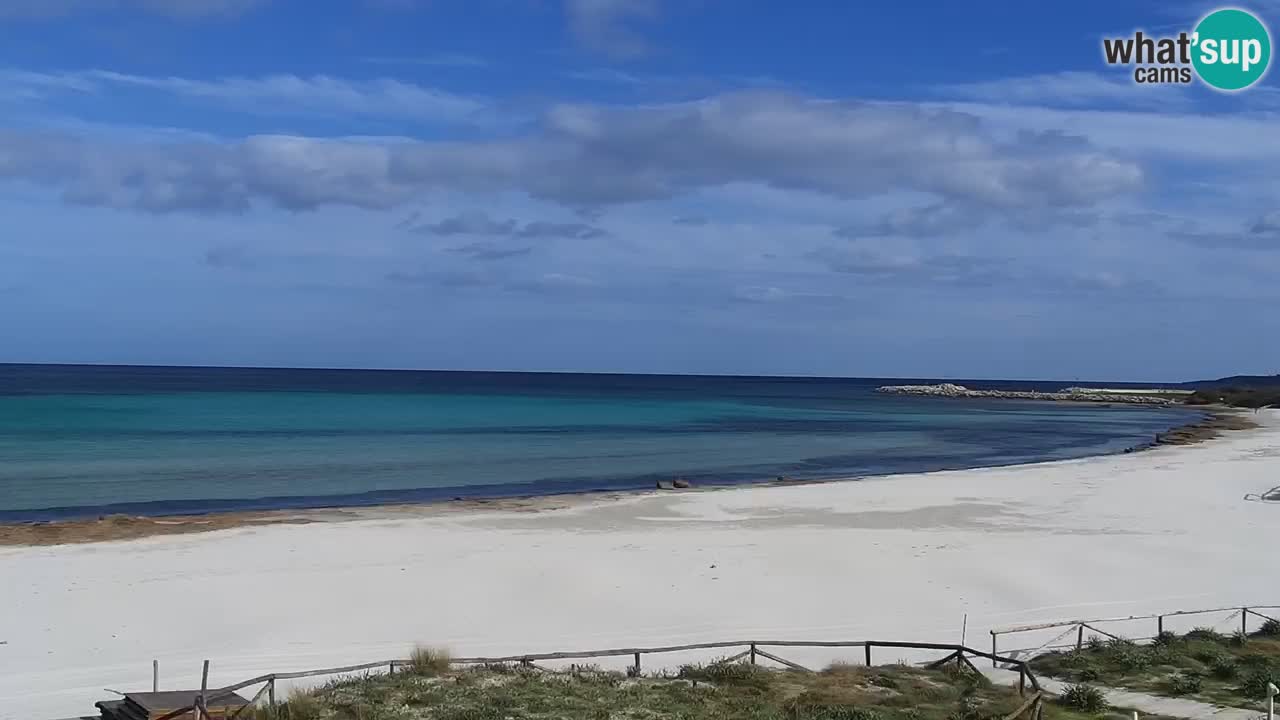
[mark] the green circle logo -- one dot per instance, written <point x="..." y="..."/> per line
<point x="1232" y="49"/>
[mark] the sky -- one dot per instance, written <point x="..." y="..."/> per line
<point x="907" y="189"/>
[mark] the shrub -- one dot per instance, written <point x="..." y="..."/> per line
<point x="427" y="661"/>
<point x="301" y="705"/>
<point x="1077" y="658"/>
<point x="967" y="709"/>
<point x="1223" y="667"/>
<point x="1207" y="653"/>
<point x="885" y="681"/>
<point x="1270" y="627"/>
<point x="1255" y="660"/>
<point x="1083" y="697"/>
<point x="1165" y="638"/>
<point x="1088" y="674"/>
<point x="726" y="673"/>
<point x="1257" y="679"/>
<point x="1205" y="633"/>
<point x="801" y="708"/>
<point x="1163" y="654"/>
<point x="1127" y="655"/>
<point x="1185" y="683"/>
<point x="1095" y="643"/>
<point x="1239" y="638"/>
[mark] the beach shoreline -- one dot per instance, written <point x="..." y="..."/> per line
<point x="113" y="527"/>
<point x="899" y="557"/>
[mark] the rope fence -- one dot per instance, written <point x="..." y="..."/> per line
<point x="753" y="650"/>
<point x="749" y="650"/>
<point x="1085" y="629"/>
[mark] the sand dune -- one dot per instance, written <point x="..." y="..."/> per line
<point x="897" y="558"/>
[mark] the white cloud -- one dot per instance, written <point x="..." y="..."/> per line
<point x="590" y="156"/>
<point x="1070" y="89"/>
<point x="267" y="94"/>
<point x="604" y="25"/>
<point x="479" y="223"/>
<point x="454" y="60"/>
<point x="1181" y="136"/>
<point x="180" y="9"/>
<point x="1260" y="233"/>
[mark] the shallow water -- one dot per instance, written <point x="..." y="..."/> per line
<point x="82" y="441"/>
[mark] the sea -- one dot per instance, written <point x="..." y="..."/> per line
<point x="86" y="441"/>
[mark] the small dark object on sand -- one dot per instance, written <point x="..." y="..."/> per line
<point x="680" y="484"/>
<point x="664" y="485"/>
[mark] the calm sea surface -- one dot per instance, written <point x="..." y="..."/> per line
<point x="82" y="441"/>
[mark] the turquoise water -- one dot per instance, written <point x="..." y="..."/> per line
<point x="78" y="441"/>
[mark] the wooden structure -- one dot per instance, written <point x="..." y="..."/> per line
<point x="156" y="705"/>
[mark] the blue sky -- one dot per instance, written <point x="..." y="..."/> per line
<point x="870" y="189"/>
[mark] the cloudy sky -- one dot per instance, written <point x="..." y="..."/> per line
<point x="931" y="189"/>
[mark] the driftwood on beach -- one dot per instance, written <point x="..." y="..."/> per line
<point x="951" y="390"/>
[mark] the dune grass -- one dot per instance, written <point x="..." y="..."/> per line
<point x="695" y="692"/>
<point x="1205" y="665"/>
<point x="429" y="661"/>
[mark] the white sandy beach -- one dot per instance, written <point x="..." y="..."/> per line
<point x="896" y="558"/>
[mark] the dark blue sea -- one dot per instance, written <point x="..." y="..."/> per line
<point x="82" y="441"/>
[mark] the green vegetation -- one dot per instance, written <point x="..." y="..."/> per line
<point x="695" y="692"/>
<point x="1203" y="664"/>
<point x="1255" y="397"/>
<point x="300" y="705"/>
<point x="428" y="661"/>
<point x="1083" y="697"/>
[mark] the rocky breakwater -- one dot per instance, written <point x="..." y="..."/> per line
<point x="952" y="390"/>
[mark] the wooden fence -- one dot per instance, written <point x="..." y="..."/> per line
<point x="749" y="650"/>
<point x="1089" y="628"/>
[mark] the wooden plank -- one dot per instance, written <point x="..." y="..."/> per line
<point x="939" y="663"/>
<point x="788" y="663"/>
<point x="349" y="668"/>
<point x="245" y="683"/>
<point x="252" y="702"/>
<point x="1253" y="611"/>
<point x="1031" y="676"/>
<point x="1100" y="632"/>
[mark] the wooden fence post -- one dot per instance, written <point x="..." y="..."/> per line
<point x="993" y="648"/>
<point x="637" y="664"/>
<point x="1022" y="680"/>
<point x="201" y="714"/>
<point x="1159" y="625"/>
<point x="1080" y="637"/>
<point x="867" y="648"/>
<point x="271" y="693"/>
<point x="1244" y="622"/>
<point x="753" y="653"/>
<point x="155" y="676"/>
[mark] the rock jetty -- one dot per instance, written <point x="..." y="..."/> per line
<point x="952" y="390"/>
